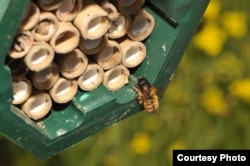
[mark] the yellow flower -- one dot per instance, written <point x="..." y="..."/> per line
<point x="235" y="23"/>
<point x="241" y="89"/>
<point x="212" y="10"/>
<point x="211" y="39"/>
<point x="141" y="143"/>
<point x="175" y="145"/>
<point x="213" y="101"/>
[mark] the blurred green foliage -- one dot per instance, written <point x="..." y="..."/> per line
<point x="206" y="106"/>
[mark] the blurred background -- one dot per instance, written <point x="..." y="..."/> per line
<point x="206" y="106"/>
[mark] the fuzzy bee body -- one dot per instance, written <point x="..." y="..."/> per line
<point x="147" y="95"/>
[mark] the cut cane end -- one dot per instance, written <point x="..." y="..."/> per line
<point x="118" y="28"/>
<point x="110" y="56"/>
<point x="22" y="90"/>
<point x="46" y="27"/>
<point x="31" y="17"/>
<point x="91" y="78"/>
<point x="39" y="57"/>
<point x="73" y="64"/>
<point x="116" y="78"/>
<point x="133" y="53"/>
<point x="37" y="106"/>
<point x="142" y="26"/>
<point x="22" y="44"/>
<point x="91" y="47"/>
<point x="46" y="78"/>
<point x="64" y="90"/>
<point x="95" y="23"/>
<point x="129" y="7"/>
<point x="66" y="39"/>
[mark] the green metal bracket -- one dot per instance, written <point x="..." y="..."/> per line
<point x="90" y="112"/>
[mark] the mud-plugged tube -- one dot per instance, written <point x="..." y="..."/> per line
<point x="46" y="27"/>
<point x="22" y="44"/>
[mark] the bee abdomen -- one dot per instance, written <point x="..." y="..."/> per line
<point x="149" y="107"/>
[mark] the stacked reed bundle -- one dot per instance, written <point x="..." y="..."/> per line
<point x="65" y="45"/>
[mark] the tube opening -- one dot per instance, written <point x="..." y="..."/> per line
<point x="118" y="25"/>
<point x="44" y="75"/>
<point x="20" y="90"/>
<point x="47" y="2"/>
<point x="116" y="79"/>
<point x="39" y="57"/>
<point x="132" y="54"/>
<point x="38" y="105"/>
<point x="73" y="64"/>
<point x="45" y="27"/>
<point x="67" y="6"/>
<point x="107" y="53"/>
<point x="139" y="27"/>
<point x="90" y="77"/>
<point x="65" y="39"/>
<point x="91" y="44"/>
<point x="126" y="3"/>
<point x="63" y="89"/>
<point x="95" y="24"/>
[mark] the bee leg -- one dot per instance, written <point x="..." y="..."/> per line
<point x="155" y="102"/>
<point x="140" y="96"/>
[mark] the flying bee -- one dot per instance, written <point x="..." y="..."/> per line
<point x="147" y="95"/>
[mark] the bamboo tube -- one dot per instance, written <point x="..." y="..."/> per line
<point x="49" y="5"/>
<point x="40" y="56"/>
<point x="17" y="68"/>
<point x="116" y="78"/>
<point x="46" y="27"/>
<point x="110" y="9"/>
<point x="22" y="89"/>
<point x="46" y="78"/>
<point x="68" y="10"/>
<point x="141" y="26"/>
<point x="109" y="56"/>
<point x="31" y="17"/>
<point x="91" y="47"/>
<point x="133" y="53"/>
<point x="37" y="106"/>
<point x="66" y="39"/>
<point x="22" y="44"/>
<point x="118" y="27"/>
<point x="64" y="90"/>
<point x="92" y="21"/>
<point x="91" y="78"/>
<point x="72" y="64"/>
<point x="129" y="7"/>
